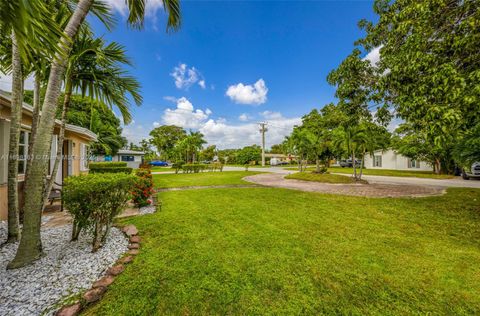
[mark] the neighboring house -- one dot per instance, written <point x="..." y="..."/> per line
<point x="277" y="159"/>
<point x="75" y="149"/>
<point x="389" y="159"/>
<point x="133" y="158"/>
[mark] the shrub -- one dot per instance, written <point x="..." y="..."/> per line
<point x="94" y="200"/>
<point x="143" y="188"/>
<point x="193" y="167"/>
<point x="216" y="166"/>
<point x="109" y="167"/>
<point x="177" y="166"/>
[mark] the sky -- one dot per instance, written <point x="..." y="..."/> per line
<point x="233" y="64"/>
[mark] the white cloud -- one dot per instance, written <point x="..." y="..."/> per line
<point x="156" y="124"/>
<point x="185" y="77"/>
<point x="6" y="82"/>
<point x="120" y="6"/>
<point x="170" y="99"/>
<point x="248" y="94"/>
<point x="243" y="117"/>
<point x="269" y="115"/>
<point x="185" y="115"/>
<point x="225" y="135"/>
<point x="373" y="56"/>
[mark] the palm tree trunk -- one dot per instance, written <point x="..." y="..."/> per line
<point x="361" y="166"/>
<point x="30" y="248"/>
<point x="61" y="137"/>
<point x="354" y="165"/>
<point x="15" y="123"/>
<point x="35" y="115"/>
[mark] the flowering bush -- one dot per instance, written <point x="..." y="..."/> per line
<point x="143" y="188"/>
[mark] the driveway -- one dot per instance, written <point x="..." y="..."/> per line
<point x="441" y="183"/>
<point x="377" y="190"/>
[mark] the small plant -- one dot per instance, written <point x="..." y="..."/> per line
<point x="178" y="166"/>
<point x="246" y="166"/>
<point x="94" y="200"/>
<point x="143" y="188"/>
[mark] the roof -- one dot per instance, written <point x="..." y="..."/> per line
<point x="68" y="127"/>
<point x="130" y="152"/>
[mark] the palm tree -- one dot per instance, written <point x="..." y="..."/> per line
<point x="30" y="247"/>
<point x="27" y="24"/>
<point x="95" y="70"/>
<point x="351" y="138"/>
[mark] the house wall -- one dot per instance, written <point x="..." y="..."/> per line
<point x="394" y="161"/>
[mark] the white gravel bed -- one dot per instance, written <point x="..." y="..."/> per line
<point x="150" y="209"/>
<point x="67" y="268"/>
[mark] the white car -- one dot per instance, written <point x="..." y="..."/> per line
<point x="474" y="172"/>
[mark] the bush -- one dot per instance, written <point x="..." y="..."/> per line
<point x="109" y="167"/>
<point x="215" y="166"/>
<point x="143" y="188"/>
<point x="193" y="167"/>
<point x="94" y="200"/>
<point x="177" y="166"/>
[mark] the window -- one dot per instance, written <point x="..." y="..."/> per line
<point x="377" y="161"/>
<point x="84" y="157"/>
<point x="412" y="163"/>
<point x="22" y="152"/>
<point x="128" y="158"/>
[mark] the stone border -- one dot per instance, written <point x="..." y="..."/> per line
<point x="99" y="287"/>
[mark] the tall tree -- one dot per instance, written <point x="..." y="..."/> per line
<point x="30" y="248"/>
<point x="430" y="65"/>
<point x="165" y="137"/>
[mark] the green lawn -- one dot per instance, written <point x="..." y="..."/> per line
<point x="381" y="172"/>
<point x="200" y="179"/>
<point x="318" y="177"/>
<point x="267" y="251"/>
<point x="161" y="169"/>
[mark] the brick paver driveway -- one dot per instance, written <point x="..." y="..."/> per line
<point x="369" y="190"/>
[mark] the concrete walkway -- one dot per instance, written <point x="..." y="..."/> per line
<point x="376" y="190"/>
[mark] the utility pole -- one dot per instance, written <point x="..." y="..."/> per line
<point x="263" y="129"/>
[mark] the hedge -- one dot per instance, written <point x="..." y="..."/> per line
<point x="109" y="167"/>
<point x="94" y="200"/>
<point x="193" y="167"/>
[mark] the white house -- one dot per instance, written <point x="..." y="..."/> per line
<point x="389" y="159"/>
<point x="133" y="158"/>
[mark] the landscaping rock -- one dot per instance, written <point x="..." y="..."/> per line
<point x="116" y="270"/>
<point x="126" y="259"/>
<point x="136" y="239"/>
<point x="134" y="246"/>
<point x="104" y="282"/>
<point x="66" y="268"/>
<point x="133" y="252"/>
<point x="94" y="295"/>
<point x="130" y="230"/>
<point x="71" y="310"/>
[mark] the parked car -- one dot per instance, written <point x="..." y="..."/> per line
<point x="474" y="171"/>
<point x="159" y="163"/>
<point x="349" y="163"/>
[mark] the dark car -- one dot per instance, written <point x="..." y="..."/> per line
<point x="349" y="163"/>
<point x="158" y="163"/>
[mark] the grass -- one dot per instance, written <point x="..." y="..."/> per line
<point x="319" y="177"/>
<point x="200" y="179"/>
<point x="385" y="172"/>
<point x="162" y="169"/>
<point x="267" y="251"/>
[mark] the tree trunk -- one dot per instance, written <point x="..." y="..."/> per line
<point x="317" y="165"/>
<point x="61" y="137"/>
<point x="35" y="115"/>
<point x="15" y="123"/>
<point x="438" y="166"/>
<point x="361" y="165"/>
<point x="30" y="248"/>
<point x="354" y="165"/>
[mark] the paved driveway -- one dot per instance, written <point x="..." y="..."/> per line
<point x="377" y="190"/>
<point x="457" y="182"/>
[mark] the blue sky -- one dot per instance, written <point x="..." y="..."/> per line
<point x="235" y="63"/>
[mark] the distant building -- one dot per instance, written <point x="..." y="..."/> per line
<point x="278" y="159"/>
<point x="133" y="158"/>
<point x="390" y="159"/>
